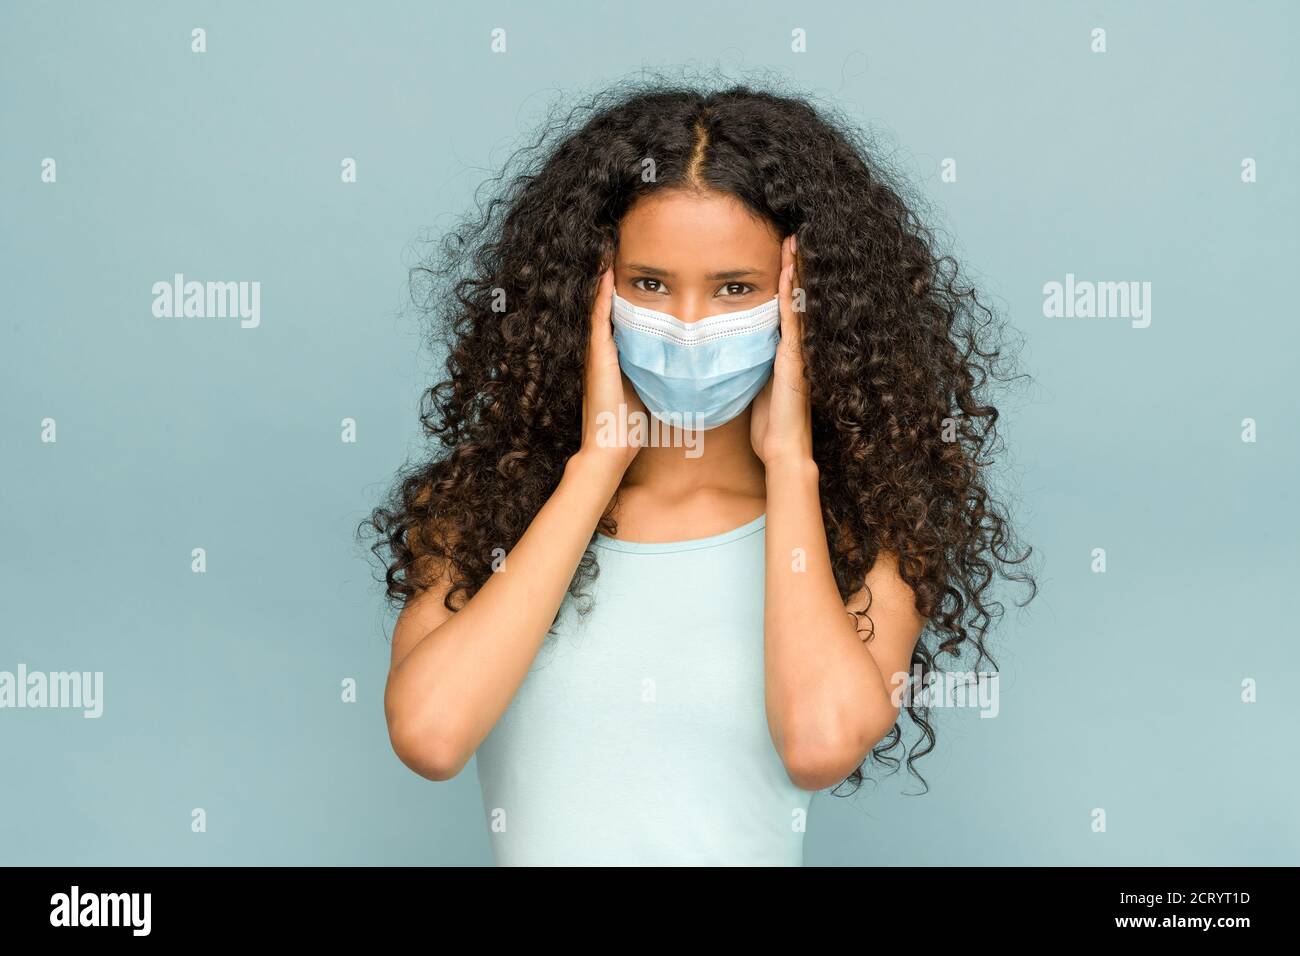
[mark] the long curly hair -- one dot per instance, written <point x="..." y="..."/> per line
<point x="899" y="353"/>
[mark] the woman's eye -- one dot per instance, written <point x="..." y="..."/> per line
<point x="658" y="286"/>
<point x="737" y="288"/>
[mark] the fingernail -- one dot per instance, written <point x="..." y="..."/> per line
<point x="794" y="243"/>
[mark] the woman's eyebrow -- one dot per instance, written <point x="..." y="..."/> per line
<point x="713" y="276"/>
<point x="735" y="274"/>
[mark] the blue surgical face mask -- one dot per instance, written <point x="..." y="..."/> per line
<point x="697" y="374"/>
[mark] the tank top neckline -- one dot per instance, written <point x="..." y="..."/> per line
<point x="690" y="544"/>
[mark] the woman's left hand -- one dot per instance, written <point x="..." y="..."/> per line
<point x="780" y="426"/>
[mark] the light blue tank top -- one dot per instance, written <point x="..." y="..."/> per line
<point x="639" y="735"/>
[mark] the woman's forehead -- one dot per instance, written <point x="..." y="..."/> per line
<point x="677" y="231"/>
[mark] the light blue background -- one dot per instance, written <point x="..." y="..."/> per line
<point x="1119" y="691"/>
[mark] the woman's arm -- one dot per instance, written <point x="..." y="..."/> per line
<point x="828" y="693"/>
<point x="454" y="674"/>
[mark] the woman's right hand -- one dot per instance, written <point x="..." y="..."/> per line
<point x="610" y="404"/>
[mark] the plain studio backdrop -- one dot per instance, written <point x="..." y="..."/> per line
<point x="1158" y="695"/>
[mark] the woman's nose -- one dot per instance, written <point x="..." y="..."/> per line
<point x="692" y="309"/>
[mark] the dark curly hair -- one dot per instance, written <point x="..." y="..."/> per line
<point x="898" y="350"/>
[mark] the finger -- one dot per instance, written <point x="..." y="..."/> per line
<point x="791" y="330"/>
<point x="601" y="334"/>
<point x="602" y="329"/>
<point x="792" y="325"/>
<point x="798" y="267"/>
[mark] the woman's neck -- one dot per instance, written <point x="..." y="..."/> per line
<point x="716" y="459"/>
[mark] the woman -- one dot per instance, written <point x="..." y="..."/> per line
<point x="710" y="466"/>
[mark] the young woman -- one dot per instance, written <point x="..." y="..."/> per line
<point x="710" y="468"/>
